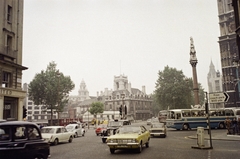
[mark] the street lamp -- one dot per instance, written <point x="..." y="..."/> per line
<point x="58" y="76"/>
<point x="236" y="64"/>
<point x="123" y="96"/>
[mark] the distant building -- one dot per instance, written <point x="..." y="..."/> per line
<point x="214" y="84"/>
<point x="36" y="113"/>
<point x="136" y="103"/>
<point x="11" y="31"/>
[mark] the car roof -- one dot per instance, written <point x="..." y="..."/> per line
<point x="53" y="127"/>
<point x="17" y="123"/>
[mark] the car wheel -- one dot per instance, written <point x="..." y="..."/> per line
<point x="76" y="135"/>
<point x="147" y="144"/>
<point x="221" y="126"/>
<point x="70" y="139"/>
<point x="140" y="148"/>
<point x="112" y="151"/>
<point x="55" y="142"/>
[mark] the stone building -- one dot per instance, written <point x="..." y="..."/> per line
<point x="135" y="103"/>
<point x="11" y="31"/>
<point x="214" y="84"/>
<point x="228" y="51"/>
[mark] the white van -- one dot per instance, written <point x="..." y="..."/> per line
<point x="76" y="128"/>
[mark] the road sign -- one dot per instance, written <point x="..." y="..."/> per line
<point x="219" y="97"/>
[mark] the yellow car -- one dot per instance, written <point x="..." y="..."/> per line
<point x="129" y="137"/>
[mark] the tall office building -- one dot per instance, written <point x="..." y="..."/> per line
<point x="228" y="51"/>
<point x="11" y="31"/>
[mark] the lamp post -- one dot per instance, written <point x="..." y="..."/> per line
<point x="58" y="76"/>
<point x="236" y="64"/>
<point x="123" y="96"/>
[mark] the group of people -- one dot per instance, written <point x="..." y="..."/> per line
<point x="233" y="126"/>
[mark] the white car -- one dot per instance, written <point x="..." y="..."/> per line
<point x="77" y="129"/>
<point x="56" y="134"/>
<point x="158" y="129"/>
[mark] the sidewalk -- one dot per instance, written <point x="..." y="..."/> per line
<point x="218" y="137"/>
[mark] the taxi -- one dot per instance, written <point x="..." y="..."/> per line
<point x="129" y="137"/>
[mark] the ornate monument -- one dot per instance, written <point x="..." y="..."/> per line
<point x="193" y="61"/>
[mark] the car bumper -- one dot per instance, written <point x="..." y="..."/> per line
<point x="158" y="134"/>
<point x="123" y="146"/>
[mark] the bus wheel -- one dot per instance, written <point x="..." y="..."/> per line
<point x="221" y="126"/>
<point x="185" y="127"/>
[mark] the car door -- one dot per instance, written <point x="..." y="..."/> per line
<point x="144" y="134"/>
<point x="66" y="134"/>
<point x="59" y="135"/>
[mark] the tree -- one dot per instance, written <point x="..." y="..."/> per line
<point x="96" y="107"/>
<point x="174" y="90"/>
<point x="50" y="89"/>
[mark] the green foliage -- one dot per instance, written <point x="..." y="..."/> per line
<point x="50" y="89"/>
<point x="174" y="90"/>
<point x="96" y="107"/>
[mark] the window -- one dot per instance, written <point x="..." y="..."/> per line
<point x="9" y="44"/>
<point x="9" y="14"/>
<point x="30" y="103"/>
<point x="6" y="79"/>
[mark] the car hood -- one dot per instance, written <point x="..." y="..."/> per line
<point x="124" y="136"/>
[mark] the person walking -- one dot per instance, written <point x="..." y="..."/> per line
<point x="228" y="125"/>
<point x="234" y="126"/>
<point x="238" y="124"/>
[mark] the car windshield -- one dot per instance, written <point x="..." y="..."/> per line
<point x="115" y="123"/>
<point x="69" y="127"/>
<point x="157" y="125"/>
<point x="47" y="130"/>
<point x="126" y="130"/>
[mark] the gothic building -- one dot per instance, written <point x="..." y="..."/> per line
<point x="214" y="83"/>
<point x="228" y="51"/>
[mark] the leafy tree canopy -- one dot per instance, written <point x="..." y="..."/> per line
<point x="96" y="107"/>
<point x="174" y="90"/>
<point x="50" y="88"/>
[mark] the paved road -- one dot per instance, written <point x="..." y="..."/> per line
<point x="177" y="145"/>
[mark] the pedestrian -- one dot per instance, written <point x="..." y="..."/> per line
<point x="238" y="125"/>
<point x="228" y="125"/>
<point x="234" y="126"/>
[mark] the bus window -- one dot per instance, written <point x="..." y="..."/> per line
<point x="178" y="115"/>
<point x="229" y="112"/>
<point x="186" y="113"/>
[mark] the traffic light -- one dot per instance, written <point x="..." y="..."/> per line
<point x="24" y="112"/>
<point x="120" y="110"/>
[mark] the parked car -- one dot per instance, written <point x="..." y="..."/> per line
<point x="129" y="137"/>
<point x="22" y="139"/>
<point x="77" y="129"/>
<point x="99" y="130"/>
<point x="158" y="129"/>
<point x="56" y="134"/>
<point x="111" y="129"/>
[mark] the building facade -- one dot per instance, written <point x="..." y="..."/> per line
<point x="36" y="113"/>
<point x="135" y="103"/>
<point x="228" y="52"/>
<point x="11" y="30"/>
<point x="214" y="79"/>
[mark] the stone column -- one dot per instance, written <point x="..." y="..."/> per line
<point x="193" y="61"/>
<point x="20" y="109"/>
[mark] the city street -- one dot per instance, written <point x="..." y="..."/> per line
<point x="176" y="145"/>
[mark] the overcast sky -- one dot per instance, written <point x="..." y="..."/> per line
<point x="95" y="40"/>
